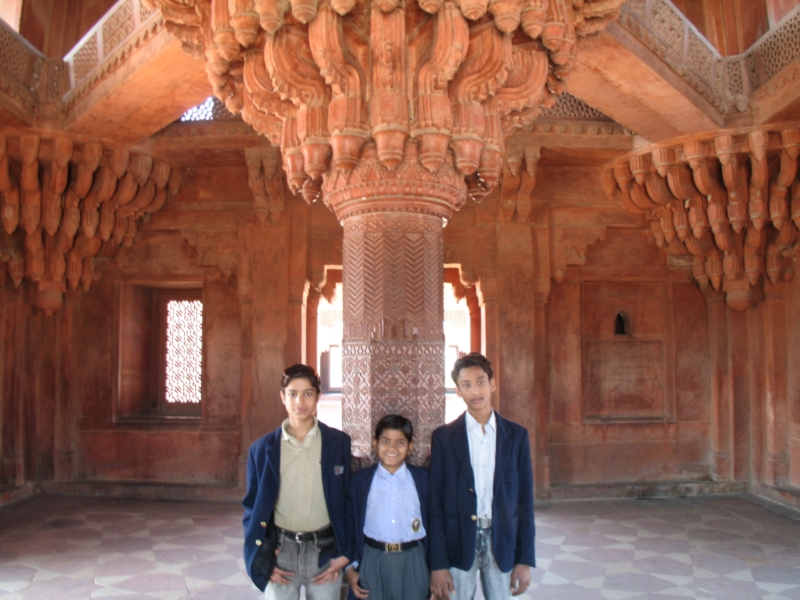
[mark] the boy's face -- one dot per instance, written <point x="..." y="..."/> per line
<point x="392" y="448"/>
<point x="300" y="399"/>
<point x="475" y="388"/>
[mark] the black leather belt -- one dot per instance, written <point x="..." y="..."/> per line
<point x="387" y="547"/>
<point x="320" y="535"/>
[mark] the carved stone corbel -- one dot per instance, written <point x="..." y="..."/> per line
<point x="296" y="76"/>
<point x="483" y="72"/>
<point x="434" y="115"/>
<point x="347" y="113"/>
<point x="388" y="108"/>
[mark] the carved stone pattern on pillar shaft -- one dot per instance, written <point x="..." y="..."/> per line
<point x="726" y="204"/>
<point x="72" y="202"/>
<point x="393" y="336"/>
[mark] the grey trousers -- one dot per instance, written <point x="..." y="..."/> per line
<point x="395" y="575"/>
<point x="302" y="558"/>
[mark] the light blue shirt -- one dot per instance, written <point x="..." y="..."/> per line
<point x="393" y="511"/>
<point x="482" y="450"/>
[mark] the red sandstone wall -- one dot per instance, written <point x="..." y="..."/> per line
<point x="627" y="408"/>
<point x="601" y="410"/>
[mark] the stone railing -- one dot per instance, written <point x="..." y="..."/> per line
<point x="106" y="46"/>
<point x="34" y="82"/>
<point x="726" y="82"/>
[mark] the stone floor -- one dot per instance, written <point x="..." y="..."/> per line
<point x="55" y="548"/>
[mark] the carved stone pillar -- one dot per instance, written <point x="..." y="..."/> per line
<point x="474" y="306"/>
<point x="776" y="410"/>
<point x="393" y="358"/>
<point x="389" y="113"/>
<point x="393" y="347"/>
<point x="721" y="390"/>
<point x="312" y="311"/>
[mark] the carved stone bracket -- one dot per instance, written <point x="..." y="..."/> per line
<point x="568" y="247"/>
<point x="323" y="79"/>
<point x="266" y="183"/>
<point x="730" y="201"/>
<point x="520" y="174"/>
<point x="64" y="203"/>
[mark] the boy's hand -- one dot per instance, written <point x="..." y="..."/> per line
<point x="442" y="583"/>
<point x="280" y="576"/>
<point x="520" y="579"/>
<point x="358" y="591"/>
<point x="332" y="572"/>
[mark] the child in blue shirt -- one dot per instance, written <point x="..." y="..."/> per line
<point x="387" y="512"/>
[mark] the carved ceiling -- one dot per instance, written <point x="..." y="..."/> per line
<point x="61" y="93"/>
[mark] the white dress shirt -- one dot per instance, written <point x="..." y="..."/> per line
<point x="482" y="451"/>
<point x="393" y="510"/>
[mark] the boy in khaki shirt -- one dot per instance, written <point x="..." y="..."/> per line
<point x="297" y="478"/>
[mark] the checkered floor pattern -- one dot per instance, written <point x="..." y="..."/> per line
<point x="727" y="548"/>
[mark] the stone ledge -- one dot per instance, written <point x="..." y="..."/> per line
<point x="144" y="490"/>
<point x="655" y="489"/>
<point x="15" y="494"/>
<point x="786" y="497"/>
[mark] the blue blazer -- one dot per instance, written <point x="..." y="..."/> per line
<point x="360" y="485"/>
<point x="263" y="484"/>
<point x="453" y="533"/>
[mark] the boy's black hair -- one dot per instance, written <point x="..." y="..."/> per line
<point x="398" y="422"/>
<point x="300" y="372"/>
<point x="473" y="359"/>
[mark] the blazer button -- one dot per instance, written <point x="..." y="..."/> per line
<point x="474" y="517"/>
<point x="258" y="542"/>
<point x="471" y="491"/>
<point x="263" y="524"/>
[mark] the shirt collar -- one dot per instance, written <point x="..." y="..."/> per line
<point x="473" y="424"/>
<point x="399" y="475"/>
<point x="286" y="436"/>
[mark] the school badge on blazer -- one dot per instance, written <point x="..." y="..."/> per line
<point x="338" y="469"/>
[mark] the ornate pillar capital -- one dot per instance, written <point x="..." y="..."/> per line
<point x="321" y="78"/>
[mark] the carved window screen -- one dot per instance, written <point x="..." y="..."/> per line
<point x="160" y="353"/>
<point x="184" y="359"/>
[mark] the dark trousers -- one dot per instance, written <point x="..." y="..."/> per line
<point x="395" y="575"/>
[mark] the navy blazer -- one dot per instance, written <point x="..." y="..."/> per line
<point x="454" y="504"/>
<point x="263" y="483"/>
<point x="360" y="485"/>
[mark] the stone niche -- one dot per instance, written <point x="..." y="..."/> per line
<point x="630" y="397"/>
<point x="628" y="355"/>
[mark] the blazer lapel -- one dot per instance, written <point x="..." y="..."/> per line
<point x="461" y="446"/>
<point x="328" y="454"/>
<point x="273" y="451"/>
<point x="502" y="451"/>
<point x="362" y="491"/>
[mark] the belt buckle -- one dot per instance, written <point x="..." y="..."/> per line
<point x="393" y="548"/>
<point x="297" y="537"/>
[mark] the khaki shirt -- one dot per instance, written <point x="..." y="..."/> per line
<point x="301" y="500"/>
